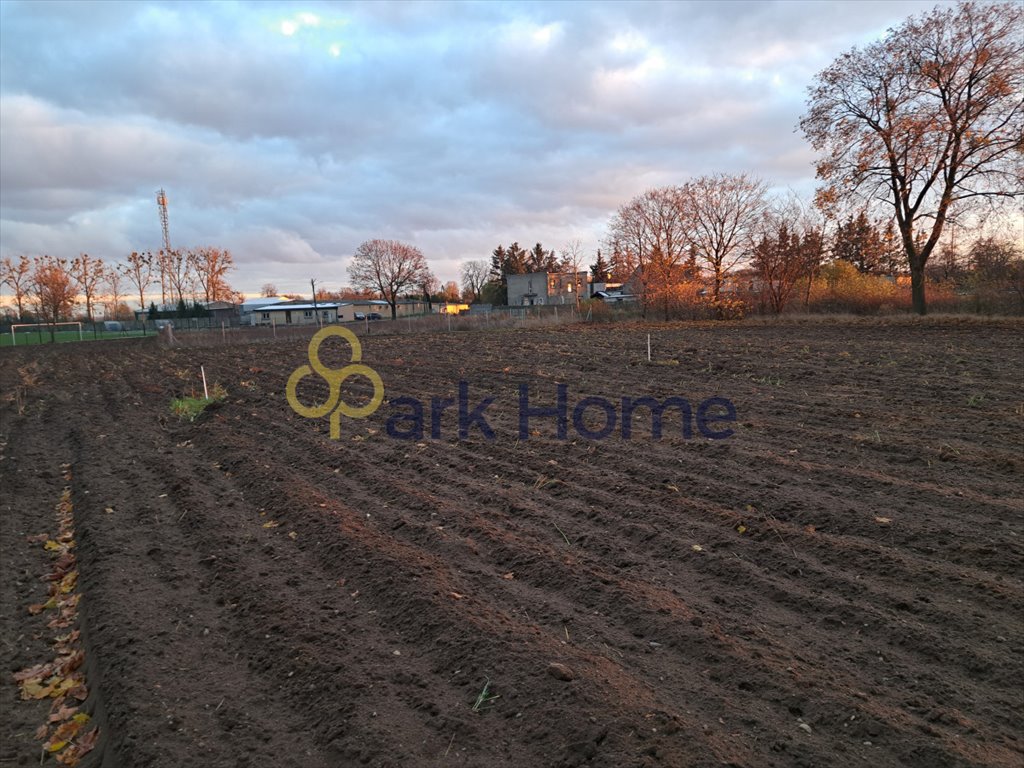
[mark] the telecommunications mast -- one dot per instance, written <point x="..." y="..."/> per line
<point x="161" y="203"/>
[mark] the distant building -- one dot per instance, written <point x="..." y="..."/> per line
<point x="540" y="288"/>
<point x="296" y="314"/>
<point x="249" y="306"/>
<point x="223" y="311"/>
<point x="403" y="307"/>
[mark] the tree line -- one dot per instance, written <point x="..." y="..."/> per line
<point x="48" y="289"/>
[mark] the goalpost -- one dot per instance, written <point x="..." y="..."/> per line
<point x="40" y="326"/>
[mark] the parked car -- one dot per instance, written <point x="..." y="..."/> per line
<point x="374" y="316"/>
<point x="359" y="316"/>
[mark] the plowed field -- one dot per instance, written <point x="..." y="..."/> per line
<point x="838" y="583"/>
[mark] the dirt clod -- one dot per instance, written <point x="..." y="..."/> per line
<point x="560" y="671"/>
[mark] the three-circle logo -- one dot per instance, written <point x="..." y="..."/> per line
<point x="335" y="377"/>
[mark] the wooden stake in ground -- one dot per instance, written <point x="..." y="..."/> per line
<point x="206" y="394"/>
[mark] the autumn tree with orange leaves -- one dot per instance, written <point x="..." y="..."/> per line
<point x="53" y="288"/>
<point x="210" y="267"/>
<point x="928" y="120"/>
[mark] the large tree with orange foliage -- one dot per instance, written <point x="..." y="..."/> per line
<point x="928" y="120"/>
<point x="53" y="288"/>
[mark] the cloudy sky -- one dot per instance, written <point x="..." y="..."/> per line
<point x="291" y="132"/>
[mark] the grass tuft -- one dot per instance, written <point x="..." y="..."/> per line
<point x="192" y="408"/>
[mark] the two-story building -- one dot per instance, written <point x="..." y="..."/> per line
<point x="540" y="288"/>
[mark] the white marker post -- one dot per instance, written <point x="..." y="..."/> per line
<point x="206" y="394"/>
<point x="648" y="347"/>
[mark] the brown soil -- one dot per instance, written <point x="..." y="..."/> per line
<point x="254" y="593"/>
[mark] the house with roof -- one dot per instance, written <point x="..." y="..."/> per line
<point x="289" y="313"/>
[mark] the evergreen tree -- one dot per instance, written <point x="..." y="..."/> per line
<point x="600" y="270"/>
<point x="539" y="260"/>
<point x="892" y="250"/>
<point x="515" y="260"/>
<point x="498" y="259"/>
<point x="859" y="242"/>
<point x="153" y="313"/>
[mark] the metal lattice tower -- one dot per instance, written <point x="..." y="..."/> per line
<point x="161" y="203"/>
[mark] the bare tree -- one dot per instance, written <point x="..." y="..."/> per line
<point x="54" y="290"/>
<point x="114" y="281"/>
<point x="389" y="267"/>
<point x="429" y="285"/>
<point x="210" y="266"/>
<point x="138" y="268"/>
<point x="18" y="277"/>
<point x="928" y="120"/>
<point x="573" y="262"/>
<point x="724" y="215"/>
<point x="649" y="236"/>
<point x="175" y="268"/>
<point x="474" y="277"/>
<point x="268" y="290"/>
<point x="88" y="273"/>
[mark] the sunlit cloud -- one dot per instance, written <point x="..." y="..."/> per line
<point x="624" y="42"/>
<point x="520" y="33"/>
<point x="547" y="33"/>
<point x="302" y="20"/>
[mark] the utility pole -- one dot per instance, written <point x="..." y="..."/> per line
<point x="312" y="283"/>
